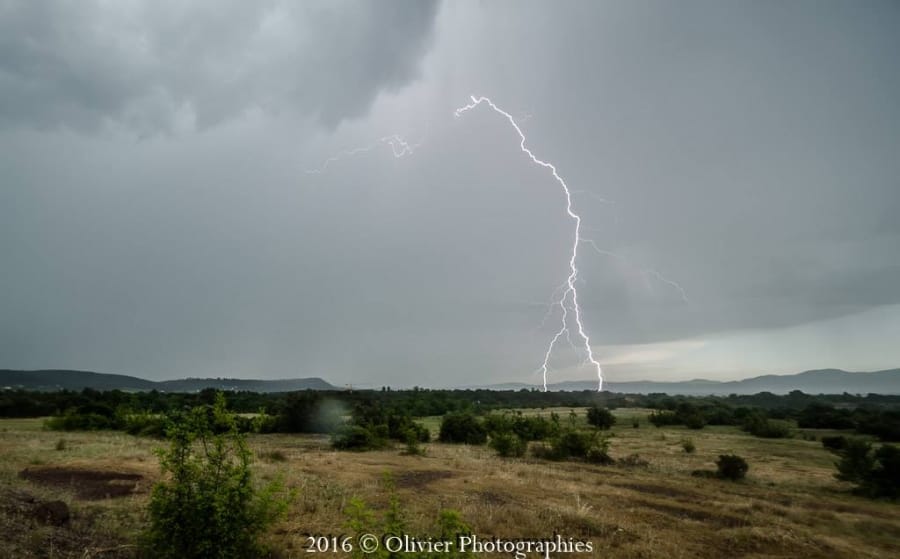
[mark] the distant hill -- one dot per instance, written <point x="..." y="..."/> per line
<point x="59" y="379"/>
<point x="822" y="381"/>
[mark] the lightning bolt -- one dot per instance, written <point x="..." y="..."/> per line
<point x="645" y="271"/>
<point x="566" y="295"/>
<point x="570" y="292"/>
<point x="399" y="148"/>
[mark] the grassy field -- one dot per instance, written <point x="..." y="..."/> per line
<point x="790" y="505"/>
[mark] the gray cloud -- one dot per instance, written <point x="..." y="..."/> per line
<point x="748" y="151"/>
<point x="151" y="65"/>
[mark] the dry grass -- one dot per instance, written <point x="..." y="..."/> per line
<point x="789" y="506"/>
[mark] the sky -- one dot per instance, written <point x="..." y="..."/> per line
<point x="180" y="194"/>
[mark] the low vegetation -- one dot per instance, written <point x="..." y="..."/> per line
<point x="731" y="467"/>
<point x="362" y="520"/>
<point x="207" y="505"/>
<point x="513" y="472"/>
<point x="874" y="472"/>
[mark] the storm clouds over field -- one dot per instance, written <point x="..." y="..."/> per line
<point x="156" y="218"/>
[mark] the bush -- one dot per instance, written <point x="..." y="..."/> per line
<point x="582" y="445"/>
<point x="834" y="443"/>
<point x="528" y="428"/>
<point x="874" y="474"/>
<point x="731" y="466"/>
<point x="884" y="479"/>
<point x="508" y="445"/>
<point x="462" y="428"/>
<point x="412" y="439"/>
<point x="694" y="421"/>
<point x="759" y="426"/>
<point x="856" y="461"/>
<point x="145" y="424"/>
<point x="357" y="437"/>
<point x="76" y="421"/>
<point x="688" y="446"/>
<point x="207" y="505"/>
<point x="663" y="418"/>
<point x="600" y="418"/>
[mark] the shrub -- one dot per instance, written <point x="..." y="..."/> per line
<point x="508" y="445"/>
<point x="663" y="418"/>
<point x="582" y="445"/>
<point x="61" y="444"/>
<point x="600" y="418"/>
<point x="357" y="437"/>
<point x="462" y="428"/>
<point x="884" y="479"/>
<point x="731" y="466"/>
<point x="636" y="423"/>
<point x="688" y="446"/>
<point x="856" y="461"/>
<point x="76" y="421"/>
<point x="412" y="439"/>
<point x="528" y="428"/>
<point x="694" y="421"/>
<point x="264" y="423"/>
<point x="759" y="426"/>
<point x="533" y="428"/>
<point x="874" y="474"/>
<point x="207" y="504"/>
<point x="145" y="424"/>
<point x="834" y="443"/>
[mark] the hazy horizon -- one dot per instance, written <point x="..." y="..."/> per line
<point x="736" y="165"/>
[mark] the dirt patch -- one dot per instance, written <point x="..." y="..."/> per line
<point x="658" y="490"/>
<point x="53" y="513"/>
<point x="418" y="479"/>
<point x="717" y="518"/>
<point x="32" y="525"/>
<point x="89" y="485"/>
<point x="492" y="498"/>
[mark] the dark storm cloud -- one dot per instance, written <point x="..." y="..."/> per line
<point x="751" y="150"/>
<point x="150" y="64"/>
<point x="746" y="150"/>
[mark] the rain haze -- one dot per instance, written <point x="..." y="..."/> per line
<point x="736" y="167"/>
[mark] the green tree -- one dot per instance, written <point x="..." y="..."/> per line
<point x="600" y="418"/>
<point x="508" y="444"/>
<point x="875" y="474"/>
<point x="856" y="462"/>
<point x="462" y="428"/>
<point x="207" y="505"/>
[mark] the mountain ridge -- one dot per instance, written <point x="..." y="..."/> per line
<point x="66" y="379"/>
<point x="815" y="381"/>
